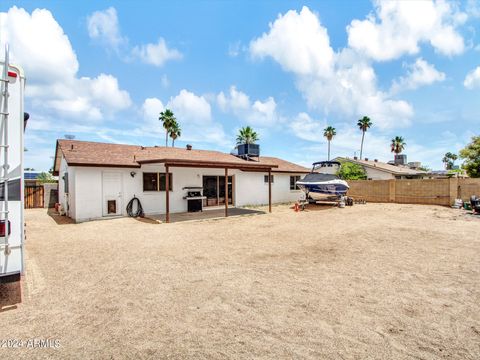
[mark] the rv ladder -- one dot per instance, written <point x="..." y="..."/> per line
<point x="4" y="127"/>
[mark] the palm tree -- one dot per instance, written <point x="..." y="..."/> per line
<point x="363" y="124"/>
<point x="398" y="145"/>
<point x="168" y="119"/>
<point x="329" y="132"/>
<point x="175" y="132"/>
<point x="246" y="135"/>
<point x="449" y="160"/>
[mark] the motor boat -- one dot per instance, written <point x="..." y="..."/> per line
<point x="322" y="183"/>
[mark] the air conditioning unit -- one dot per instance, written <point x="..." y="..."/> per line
<point x="248" y="150"/>
<point x="401" y="159"/>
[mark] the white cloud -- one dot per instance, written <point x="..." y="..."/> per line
<point x="259" y="113"/>
<point x="298" y="42"/>
<point x="151" y="108"/>
<point x="190" y="107"/>
<point x="398" y="28"/>
<point x="105" y="90"/>
<point x="103" y="26"/>
<point x="192" y="112"/>
<point x="420" y="73"/>
<point x="472" y="80"/>
<point x="156" y="54"/>
<point x="306" y="128"/>
<point x="38" y="43"/>
<point x="353" y="92"/>
<point x="473" y="8"/>
<point x="332" y="82"/>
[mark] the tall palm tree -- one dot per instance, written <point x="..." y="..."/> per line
<point x="175" y="132"/>
<point x="363" y="124"/>
<point x="329" y="132"/>
<point x="449" y="160"/>
<point x="398" y="145"/>
<point x="246" y="135"/>
<point x="168" y="119"/>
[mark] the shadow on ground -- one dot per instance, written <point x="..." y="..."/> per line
<point x="202" y="215"/>
<point x="60" y="220"/>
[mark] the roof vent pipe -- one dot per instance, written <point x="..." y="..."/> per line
<point x="376" y="160"/>
<point x="355" y="158"/>
<point x="189" y="147"/>
<point x="366" y="159"/>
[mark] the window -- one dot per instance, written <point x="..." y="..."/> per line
<point x="65" y="182"/>
<point x="156" y="181"/>
<point x="163" y="181"/>
<point x="265" y="179"/>
<point x="150" y="182"/>
<point x="293" y="182"/>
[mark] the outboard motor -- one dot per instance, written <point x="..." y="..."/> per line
<point x="475" y="202"/>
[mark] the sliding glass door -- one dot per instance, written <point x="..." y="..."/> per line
<point x="214" y="190"/>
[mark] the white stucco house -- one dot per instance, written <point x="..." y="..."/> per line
<point x="378" y="170"/>
<point x="97" y="180"/>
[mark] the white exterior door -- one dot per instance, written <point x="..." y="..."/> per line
<point x="112" y="193"/>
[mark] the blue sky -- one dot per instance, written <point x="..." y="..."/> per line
<point x="102" y="71"/>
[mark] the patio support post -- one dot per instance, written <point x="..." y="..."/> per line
<point x="167" y="195"/>
<point x="226" y="192"/>
<point x="269" y="190"/>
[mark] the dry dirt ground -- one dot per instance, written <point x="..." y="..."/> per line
<point x="376" y="281"/>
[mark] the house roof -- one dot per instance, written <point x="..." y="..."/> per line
<point x="87" y="153"/>
<point x="381" y="166"/>
<point x="285" y="166"/>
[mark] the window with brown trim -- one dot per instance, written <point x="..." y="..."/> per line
<point x="265" y="179"/>
<point x="156" y="181"/>
<point x="162" y="181"/>
<point x="293" y="182"/>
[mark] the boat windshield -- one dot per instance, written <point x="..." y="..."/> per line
<point x="328" y="167"/>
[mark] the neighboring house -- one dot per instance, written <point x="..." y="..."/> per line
<point x="99" y="179"/>
<point x="377" y="170"/>
<point x="30" y="177"/>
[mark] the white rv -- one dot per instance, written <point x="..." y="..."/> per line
<point x="12" y="122"/>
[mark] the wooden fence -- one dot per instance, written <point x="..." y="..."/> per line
<point x="420" y="191"/>
<point x="34" y="196"/>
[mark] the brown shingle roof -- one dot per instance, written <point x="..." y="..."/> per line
<point x="397" y="170"/>
<point x="86" y="153"/>
<point x="285" y="166"/>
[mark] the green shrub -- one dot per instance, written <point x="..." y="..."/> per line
<point x="351" y="171"/>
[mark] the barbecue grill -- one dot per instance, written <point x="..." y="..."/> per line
<point x="194" y="199"/>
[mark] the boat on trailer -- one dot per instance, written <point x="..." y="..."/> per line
<point x="322" y="183"/>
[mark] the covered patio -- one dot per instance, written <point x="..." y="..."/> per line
<point x="235" y="163"/>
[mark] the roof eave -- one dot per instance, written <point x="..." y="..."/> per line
<point x="213" y="164"/>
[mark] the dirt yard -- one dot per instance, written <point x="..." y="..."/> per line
<point x="376" y="281"/>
